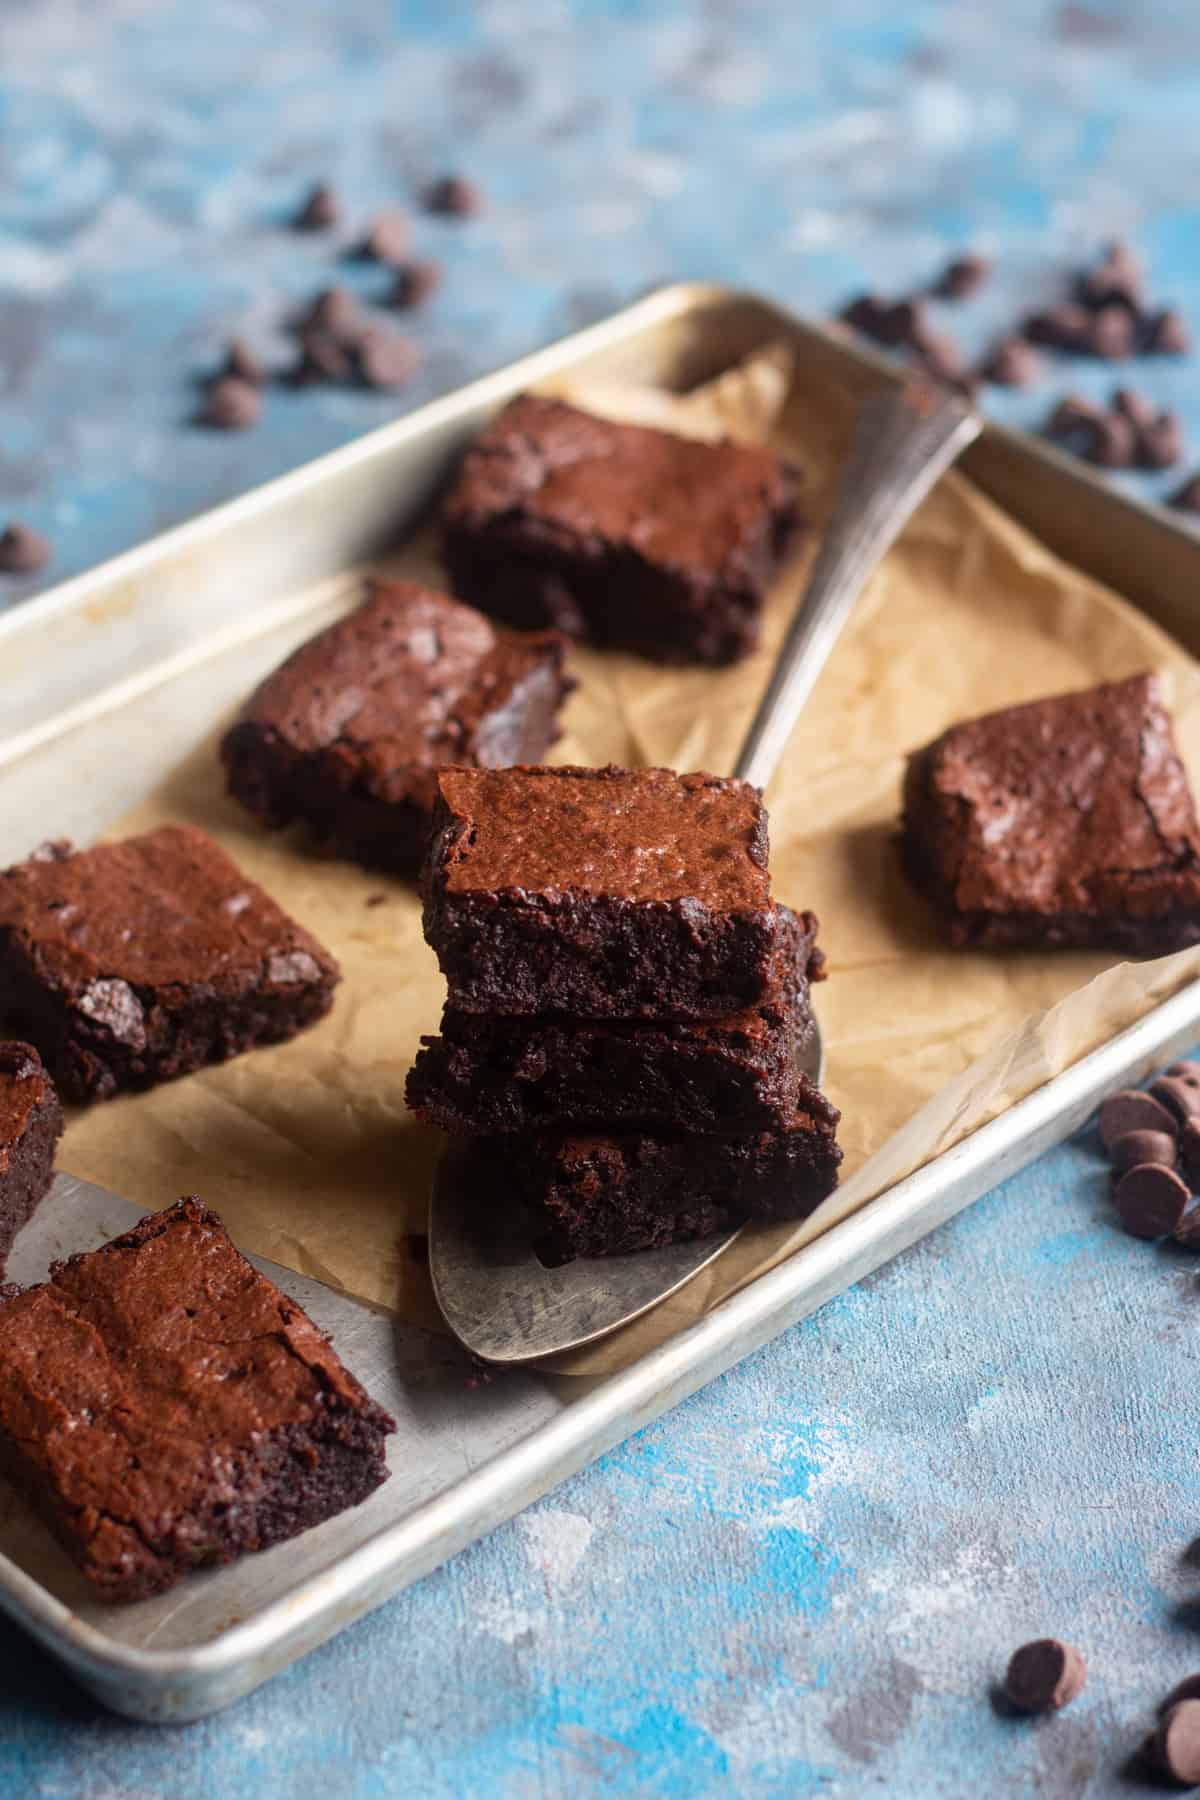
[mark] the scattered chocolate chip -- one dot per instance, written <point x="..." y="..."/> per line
<point x="335" y="313"/>
<point x="905" y="322"/>
<point x="1143" y="1147"/>
<point x="1187" y="1689"/>
<point x="415" y="282"/>
<point x="1160" y="444"/>
<point x="963" y="276"/>
<point x="323" y="357"/>
<point x="385" y="360"/>
<point x="230" y="405"/>
<point x="1012" y="363"/>
<point x="1180" y="1094"/>
<point x="1151" y="1200"/>
<point x="1115" y="280"/>
<point x="1167" y="334"/>
<point x="243" y="364"/>
<point x="454" y="196"/>
<point x="941" y="357"/>
<point x="320" y="209"/>
<point x="1044" y="1675"/>
<point x="1174" y="1748"/>
<point x="1064" y="327"/>
<point x="1113" y="443"/>
<point x="1073" y="414"/>
<point x="1132" y="1110"/>
<point x="1187" y="1232"/>
<point x="1187" y="497"/>
<point x="1187" y="1069"/>
<point x="1134" y="406"/>
<point x="23" y="551"/>
<point x="388" y="236"/>
<point x="1112" y="333"/>
<point x="867" y="313"/>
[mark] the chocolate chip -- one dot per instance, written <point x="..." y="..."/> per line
<point x="1180" y="1094"/>
<point x="1160" y="444"/>
<point x="454" y="196"/>
<point x="1187" y="1232"/>
<point x="388" y="236"/>
<point x="941" y="357"/>
<point x="905" y="322"/>
<point x="1072" y="416"/>
<point x="1187" y="497"/>
<point x="868" y="313"/>
<point x="1167" y="334"/>
<point x="1187" y="1689"/>
<point x="1044" y="1675"/>
<point x="1112" y="333"/>
<point x="386" y="360"/>
<point x="230" y="405"/>
<point x="1151" y="1200"/>
<point x="23" y="551"/>
<point x="1113" y="443"/>
<point x="415" y="282"/>
<point x="1143" y="1147"/>
<point x="320" y="209"/>
<point x="1064" y="327"/>
<point x="1129" y="1109"/>
<point x="243" y="364"/>
<point x="963" y="276"/>
<point x="322" y="358"/>
<point x="1012" y="363"/>
<point x="1134" y="406"/>
<point x="335" y="313"/>
<point x="1116" y="279"/>
<point x="1189" y="1070"/>
<point x="1174" y="1749"/>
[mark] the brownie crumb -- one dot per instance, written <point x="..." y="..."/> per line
<point x="320" y="209"/>
<point x="23" y="551"/>
<point x="230" y="405"/>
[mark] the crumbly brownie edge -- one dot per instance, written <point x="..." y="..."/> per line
<point x="197" y="1026"/>
<point x="23" y="1185"/>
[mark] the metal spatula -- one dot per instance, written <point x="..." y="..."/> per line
<point x="497" y="1297"/>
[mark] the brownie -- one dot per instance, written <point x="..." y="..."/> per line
<point x="1066" y="822"/>
<point x="137" y="961"/>
<point x="604" y="893"/>
<point x="31" y="1122"/>
<point x="491" y="1074"/>
<point x="634" y="538"/>
<point x="164" y="1407"/>
<point x="602" y="1194"/>
<point x="346" y="734"/>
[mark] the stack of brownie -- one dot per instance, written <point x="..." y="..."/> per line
<point x="628" y="1008"/>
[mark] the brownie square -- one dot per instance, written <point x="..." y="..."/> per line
<point x="1063" y="823"/>
<point x="634" y="538"/>
<point x="346" y="734"/>
<point x="491" y="1074"/>
<point x="604" y="893"/>
<point x="137" y="961"/>
<point x="165" y="1407"/>
<point x="31" y="1122"/>
<point x="605" y="1193"/>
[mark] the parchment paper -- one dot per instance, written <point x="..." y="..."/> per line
<point x="307" y="1151"/>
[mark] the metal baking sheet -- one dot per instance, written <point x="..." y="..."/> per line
<point x="114" y="676"/>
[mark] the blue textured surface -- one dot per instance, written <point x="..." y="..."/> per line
<point x="805" y="1579"/>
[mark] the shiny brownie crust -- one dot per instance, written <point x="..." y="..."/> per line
<point x="603" y="1194"/>
<point x="1067" y="822"/>
<point x="634" y="538"/>
<point x="165" y="1407"/>
<point x="602" y="893"/>
<point x="490" y="1074"/>
<point x="137" y="961"/>
<point x="345" y="735"/>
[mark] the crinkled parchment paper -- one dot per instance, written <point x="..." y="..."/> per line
<point x="307" y="1151"/>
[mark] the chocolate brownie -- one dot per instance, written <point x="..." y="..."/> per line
<point x="602" y="1194"/>
<point x="605" y="893"/>
<point x="491" y="1074"/>
<point x="346" y="734"/>
<point x="31" y="1123"/>
<point x="141" y="960"/>
<point x="165" y="1407"/>
<point x="637" y="539"/>
<point x="1066" y="822"/>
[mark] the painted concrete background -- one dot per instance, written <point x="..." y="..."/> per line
<point x="805" y="1580"/>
